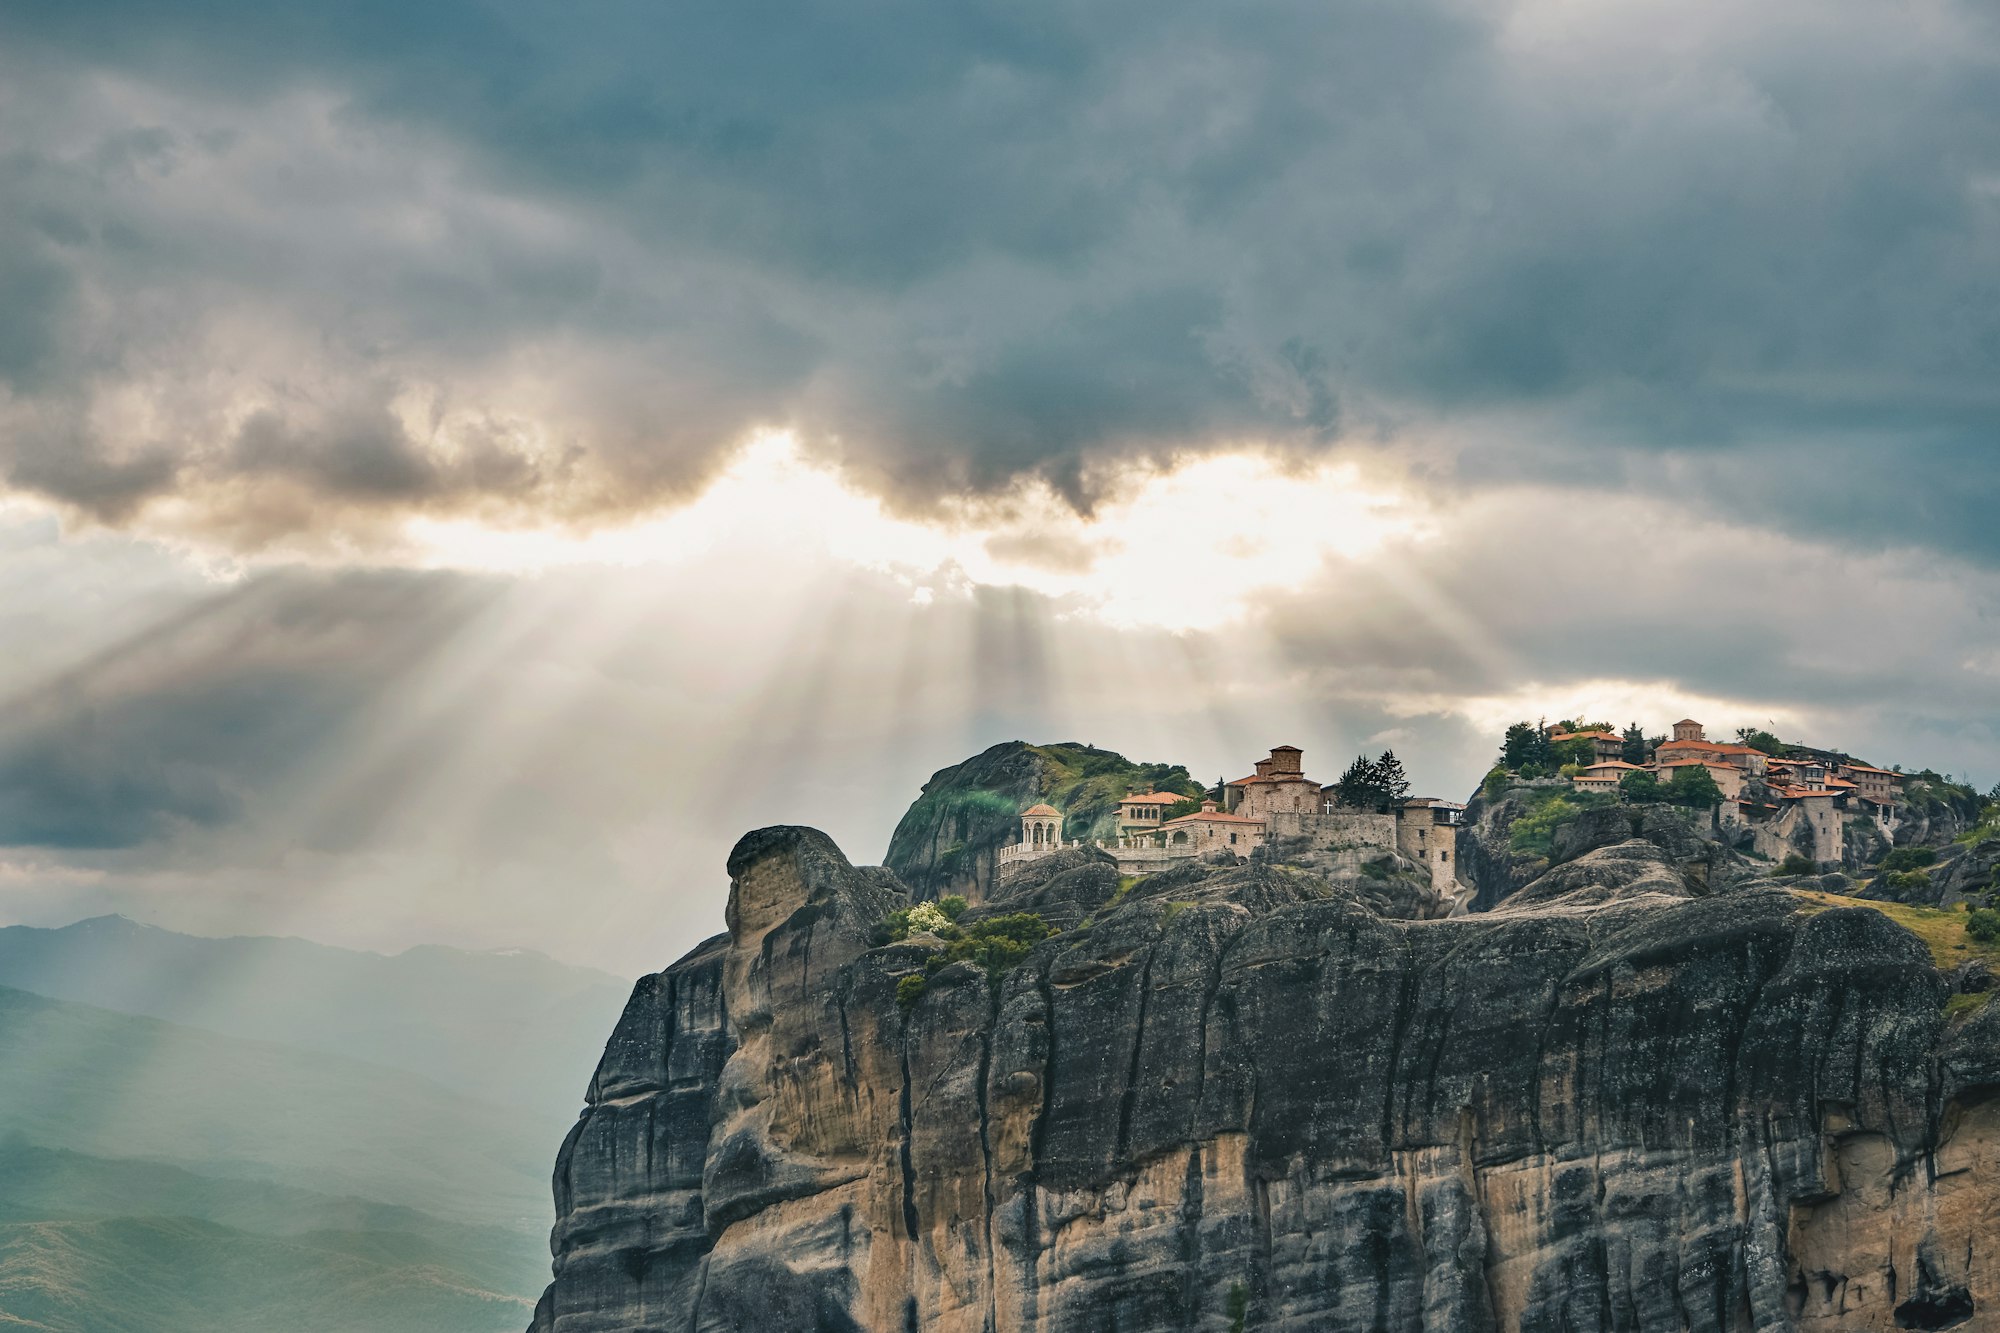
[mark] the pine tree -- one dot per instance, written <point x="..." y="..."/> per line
<point x="1358" y="786"/>
<point x="1635" y="745"/>
<point x="1392" y="784"/>
<point x="1518" y="750"/>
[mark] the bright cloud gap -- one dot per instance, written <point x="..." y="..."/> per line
<point x="1187" y="548"/>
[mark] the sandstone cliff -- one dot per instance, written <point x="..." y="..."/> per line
<point x="1241" y="1098"/>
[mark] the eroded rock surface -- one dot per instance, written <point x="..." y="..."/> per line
<point x="1624" y="1101"/>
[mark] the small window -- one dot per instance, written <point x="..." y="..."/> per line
<point x="1443" y="857"/>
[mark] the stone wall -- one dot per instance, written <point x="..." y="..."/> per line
<point x="1340" y="829"/>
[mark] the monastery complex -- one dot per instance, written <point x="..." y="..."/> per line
<point x="1786" y="803"/>
<point x="1277" y="801"/>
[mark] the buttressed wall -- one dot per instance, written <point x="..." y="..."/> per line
<point x="1609" y="1105"/>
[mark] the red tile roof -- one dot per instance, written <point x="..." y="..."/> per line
<point x="1155" y="798"/>
<point x="1041" y="810"/>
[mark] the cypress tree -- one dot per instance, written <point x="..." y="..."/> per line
<point x="1392" y="784"/>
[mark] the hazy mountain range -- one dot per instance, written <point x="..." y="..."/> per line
<point x="271" y="1134"/>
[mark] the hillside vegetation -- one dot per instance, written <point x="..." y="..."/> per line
<point x="183" y="1275"/>
<point x="946" y="841"/>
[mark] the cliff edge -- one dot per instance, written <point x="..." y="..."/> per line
<point x="1235" y="1097"/>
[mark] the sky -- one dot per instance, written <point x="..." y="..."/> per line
<point x="462" y="465"/>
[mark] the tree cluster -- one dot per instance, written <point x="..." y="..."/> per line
<point x="1530" y="749"/>
<point x="1694" y="787"/>
<point x="1758" y="739"/>
<point x="1373" y="784"/>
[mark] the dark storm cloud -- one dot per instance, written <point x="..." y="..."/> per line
<point x="955" y="244"/>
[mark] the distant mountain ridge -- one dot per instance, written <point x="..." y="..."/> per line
<point x="257" y="1135"/>
<point x="89" y="1243"/>
<point x="506" y="1027"/>
<point x="121" y="1086"/>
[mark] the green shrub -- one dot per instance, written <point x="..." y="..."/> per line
<point x="1640" y="788"/>
<point x="908" y="991"/>
<point x="1533" y="834"/>
<point x="1983" y="925"/>
<point x="1794" y="864"/>
<point x="1909" y="858"/>
<point x="1906" y="879"/>
<point x="919" y="918"/>
<point x="1694" y="787"/>
<point x="1376" y="869"/>
<point x="995" y="944"/>
<point x="1238" y="1308"/>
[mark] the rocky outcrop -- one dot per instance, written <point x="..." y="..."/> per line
<point x="949" y="839"/>
<point x="1239" y="1097"/>
<point x="1487" y="860"/>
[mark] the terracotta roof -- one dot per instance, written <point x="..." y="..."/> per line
<point x="1272" y="777"/>
<point x="1286" y="749"/>
<point x="1212" y="817"/>
<point x="1864" y="768"/>
<point x="1041" y="810"/>
<point x="1696" y="763"/>
<point x="1618" y="763"/>
<point x="1155" y="798"/>
<point x="1579" y="735"/>
<point x="1687" y="722"/>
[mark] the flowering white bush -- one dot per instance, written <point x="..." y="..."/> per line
<point x="927" y="916"/>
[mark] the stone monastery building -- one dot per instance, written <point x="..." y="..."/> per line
<point x="1276" y="801"/>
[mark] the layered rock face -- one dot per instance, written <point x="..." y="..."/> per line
<point x="1238" y="1097"/>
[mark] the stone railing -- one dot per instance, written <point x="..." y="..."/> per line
<point x="1027" y="851"/>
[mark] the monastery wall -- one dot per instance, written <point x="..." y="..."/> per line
<point x="1335" y="831"/>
